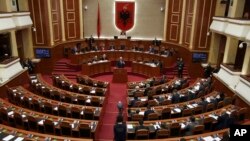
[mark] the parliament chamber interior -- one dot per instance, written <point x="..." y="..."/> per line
<point x="104" y="70"/>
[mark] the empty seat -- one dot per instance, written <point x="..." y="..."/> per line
<point x="162" y="133"/>
<point x="65" y="129"/>
<point x="84" y="130"/>
<point x="166" y="113"/>
<point x="142" y="134"/>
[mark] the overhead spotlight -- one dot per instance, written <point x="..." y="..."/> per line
<point x="244" y="44"/>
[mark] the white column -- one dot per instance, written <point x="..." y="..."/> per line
<point x="62" y="19"/>
<point x="165" y="21"/>
<point x="81" y="18"/>
<point x="14" y="51"/>
<point x="50" y="24"/>
<point x="193" y="24"/>
<point x="246" y="63"/>
<point x="230" y="50"/>
<point x="182" y="20"/>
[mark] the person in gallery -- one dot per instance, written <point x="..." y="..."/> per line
<point x="120" y="63"/>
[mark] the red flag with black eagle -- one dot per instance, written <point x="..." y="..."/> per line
<point x="124" y="15"/>
<point x="98" y="21"/>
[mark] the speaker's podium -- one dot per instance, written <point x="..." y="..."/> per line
<point x="120" y="75"/>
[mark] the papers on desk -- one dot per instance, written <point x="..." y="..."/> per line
<point x="156" y="126"/>
<point x="88" y="101"/>
<point x="213" y="116"/>
<point x="143" y="99"/>
<point x="177" y="110"/>
<point x="41" y="122"/>
<point x="10" y="113"/>
<point x="34" y="81"/>
<point x="19" y="139"/>
<point x="130" y="126"/>
<point x="55" y="123"/>
<point x="92" y="91"/>
<point x="9" y="137"/>
<point x="141" y="113"/>
<point x="209" y="138"/>
<point x="195" y="105"/>
<point x="190" y="106"/>
<point x="228" y="112"/>
<point x="183" y="125"/>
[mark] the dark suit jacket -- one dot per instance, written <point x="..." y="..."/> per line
<point x="189" y="128"/>
<point x="147" y="112"/>
<point x="222" y="121"/>
<point x="204" y="105"/>
<point x="112" y="47"/>
<point x="120" y="132"/>
<point x="133" y="102"/>
<point x="120" y="64"/>
<point x="175" y="98"/>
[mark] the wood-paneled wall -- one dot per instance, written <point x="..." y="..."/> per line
<point x="174" y="21"/>
<point x="189" y="11"/>
<point x="71" y="19"/>
<point x="204" y="14"/>
<point x="56" y="21"/>
<point x="39" y="15"/>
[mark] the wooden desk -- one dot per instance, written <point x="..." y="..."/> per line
<point x="96" y="68"/>
<point x="120" y="75"/>
<point x="128" y="55"/>
<point x="145" y="69"/>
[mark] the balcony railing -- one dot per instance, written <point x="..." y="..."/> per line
<point x="14" y="20"/>
<point x="238" y="28"/>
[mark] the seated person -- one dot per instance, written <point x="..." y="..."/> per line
<point x="175" y="96"/>
<point x="151" y="49"/>
<point x="147" y="90"/>
<point x="76" y="49"/>
<point x="120" y="63"/>
<point x="112" y="46"/>
<point x="133" y="102"/>
<point x="95" y="48"/>
<point x="221" y="97"/>
<point x="122" y="47"/>
<point x="222" y="120"/>
<point x="135" y="48"/>
<point x="203" y="103"/>
<point x="190" y="126"/>
<point x="163" y="79"/>
<point x="95" y="59"/>
<point x="141" y="126"/>
<point x="104" y="57"/>
<point x="147" y="112"/>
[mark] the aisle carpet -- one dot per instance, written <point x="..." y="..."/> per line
<point x="117" y="93"/>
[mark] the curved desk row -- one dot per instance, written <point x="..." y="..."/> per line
<point x="96" y="68"/>
<point x="23" y="97"/>
<point x="35" y="121"/>
<point x="127" y="55"/>
<point x="7" y="132"/>
<point x="146" y="69"/>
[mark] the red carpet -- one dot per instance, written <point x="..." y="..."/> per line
<point x="117" y="93"/>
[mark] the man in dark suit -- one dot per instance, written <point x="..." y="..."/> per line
<point x="175" y="96"/>
<point x="112" y="46"/>
<point x="222" y="120"/>
<point x="120" y="129"/>
<point x="120" y="63"/>
<point x="203" y="103"/>
<point x="147" y="112"/>
<point x="190" y="126"/>
<point x="133" y="102"/>
<point x="180" y="66"/>
<point x="151" y="49"/>
<point x="141" y="126"/>
<point x="91" y="41"/>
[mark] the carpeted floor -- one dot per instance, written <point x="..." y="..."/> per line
<point x="117" y="93"/>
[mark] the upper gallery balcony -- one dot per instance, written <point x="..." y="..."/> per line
<point x="14" y="20"/>
<point x="238" y="28"/>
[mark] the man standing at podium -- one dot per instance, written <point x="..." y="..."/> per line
<point x="120" y="63"/>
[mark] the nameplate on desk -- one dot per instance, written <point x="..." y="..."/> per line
<point x="239" y="132"/>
